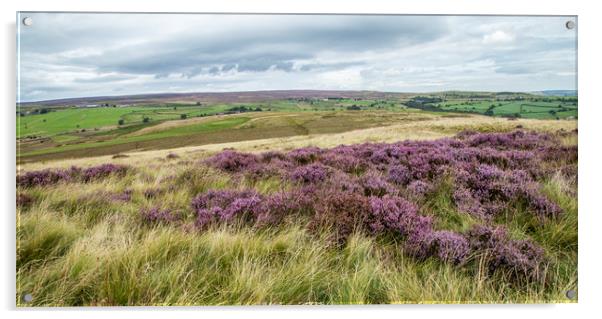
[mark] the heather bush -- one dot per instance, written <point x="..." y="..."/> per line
<point x="276" y="207"/>
<point x="521" y="257"/>
<point x="102" y="171"/>
<point x="304" y="155"/>
<point x="310" y="174"/>
<point x="224" y="205"/>
<point x="124" y="196"/>
<point x="449" y="246"/>
<point x="158" y="215"/>
<point x="360" y="188"/>
<point x="232" y="161"/>
<point x="375" y="185"/>
<point x="53" y="176"/>
<point x="42" y="178"/>
<point x="341" y="212"/>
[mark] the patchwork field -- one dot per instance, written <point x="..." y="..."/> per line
<point x="45" y="133"/>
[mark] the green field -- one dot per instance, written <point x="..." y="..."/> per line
<point x="524" y="109"/>
<point x="83" y="131"/>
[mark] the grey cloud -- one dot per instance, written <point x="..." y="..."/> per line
<point x="67" y="55"/>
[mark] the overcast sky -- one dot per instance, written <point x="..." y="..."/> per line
<point x="77" y="55"/>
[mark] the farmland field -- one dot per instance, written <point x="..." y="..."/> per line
<point x="70" y="131"/>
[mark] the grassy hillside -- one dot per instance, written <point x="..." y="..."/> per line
<point x="137" y="234"/>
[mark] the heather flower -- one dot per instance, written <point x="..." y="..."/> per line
<point x="304" y="155"/>
<point x="399" y="174"/>
<point x="157" y="215"/>
<point x="419" y="188"/>
<point x="124" y="196"/>
<point x="375" y="185"/>
<point x="310" y="174"/>
<point x="521" y="257"/>
<point x="344" y="162"/>
<point x="225" y="205"/>
<point x="271" y="155"/>
<point x="232" y="161"/>
<point x="395" y="214"/>
<point x="342" y="212"/>
<point x="42" y="178"/>
<point x="449" y="246"/>
<point x="277" y="206"/>
<point x="102" y="171"/>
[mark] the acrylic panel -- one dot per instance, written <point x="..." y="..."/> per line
<point x="258" y="159"/>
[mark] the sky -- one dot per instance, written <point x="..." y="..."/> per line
<point x="65" y="55"/>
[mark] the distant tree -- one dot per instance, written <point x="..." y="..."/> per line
<point x="198" y="103"/>
<point x="183" y="116"/>
<point x="175" y="107"/>
<point x="114" y="105"/>
<point x="120" y="122"/>
<point x="44" y="120"/>
<point x="77" y="125"/>
<point x="258" y="109"/>
<point x="44" y="111"/>
<point x="145" y="119"/>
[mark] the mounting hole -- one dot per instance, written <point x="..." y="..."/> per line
<point x="28" y="21"/>
<point x="27" y="298"/>
<point x="571" y="294"/>
<point x="570" y="24"/>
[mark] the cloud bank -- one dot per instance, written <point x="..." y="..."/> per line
<point x="75" y="55"/>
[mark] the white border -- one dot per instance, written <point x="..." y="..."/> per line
<point x="590" y="118"/>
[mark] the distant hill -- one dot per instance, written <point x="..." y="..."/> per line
<point x="216" y="97"/>
<point x="260" y="96"/>
<point x="557" y="92"/>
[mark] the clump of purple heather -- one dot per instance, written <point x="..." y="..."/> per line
<point x="419" y="188"/>
<point x="158" y="215"/>
<point x="449" y="246"/>
<point x="53" y="176"/>
<point x="124" y="196"/>
<point x="43" y="177"/>
<point x="399" y="174"/>
<point x="276" y="207"/>
<point x="232" y="161"/>
<point x="304" y="155"/>
<point x="102" y="171"/>
<point x="224" y="205"/>
<point x="309" y="174"/>
<point x="522" y="257"/>
<point x="375" y="187"/>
